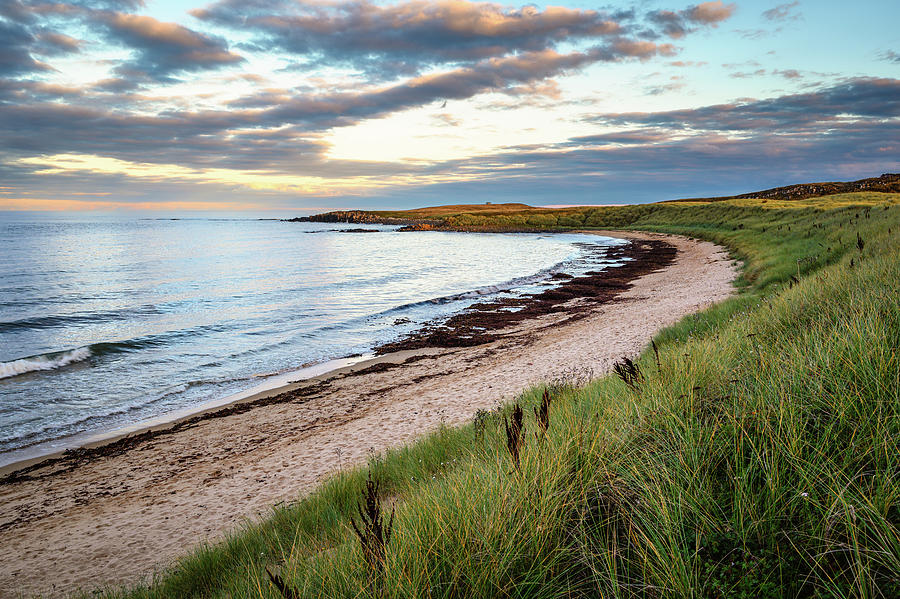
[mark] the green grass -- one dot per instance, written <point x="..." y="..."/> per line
<point x="759" y="458"/>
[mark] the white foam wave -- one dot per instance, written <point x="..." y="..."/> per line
<point x="44" y="362"/>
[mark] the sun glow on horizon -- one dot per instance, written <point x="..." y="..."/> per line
<point x="250" y="179"/>
<point x="290" y="103"/>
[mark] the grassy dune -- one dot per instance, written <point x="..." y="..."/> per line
<point x="757" y="456"/>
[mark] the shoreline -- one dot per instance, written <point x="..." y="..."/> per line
<point x="82" y="445"/>
<point x="121" y="440"/>
<point x="159" y="424"/>
<point x="123" y="513"/>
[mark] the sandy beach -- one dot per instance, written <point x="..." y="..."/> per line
<point x="117" y="513"/>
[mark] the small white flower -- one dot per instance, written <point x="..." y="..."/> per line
<point x="804" y="494"/>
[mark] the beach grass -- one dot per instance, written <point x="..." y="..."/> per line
<point x="754" y="452"/>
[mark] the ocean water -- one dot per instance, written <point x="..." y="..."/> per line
<point x="108" y="322"/>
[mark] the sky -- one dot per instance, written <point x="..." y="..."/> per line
<point x="296" y="106"/>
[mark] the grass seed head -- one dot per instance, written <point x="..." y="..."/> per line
<point x="284" y="589"/>
<point x="630" y="373"/>
<point x="542" y="415"/>
<point x="656" y="354"/>
<point x="373" y="535"/>
<point x="515" y="434"/>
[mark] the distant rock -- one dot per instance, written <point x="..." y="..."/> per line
<point x="420" y="227"/>
<point x="349" y="216"/>
<point x="362" y="217"/>
<point x="887" y="183"/>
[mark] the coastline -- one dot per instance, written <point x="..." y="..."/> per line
<point x="80" y="446"/>
<point x="128" y="435"/>
<point x="187" y="482"/>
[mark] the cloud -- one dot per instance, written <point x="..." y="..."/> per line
<point x="495" y="74"/>
<point x="387" y="41"/>
<point x="407" y="35"/>
<point x="687" y="63"/>
<point x="513" y="75"/>
<point x="788" y="73"/>
<point x="506" y="75"/>
<point x="15" y="51"/>
<point x="746" y="63"/>
<point x="16" y="11"/>
<point x="848" y="130"/>
<point x="642" y="49"/>
<point x="445" y="120"/>
<point x="31" y="91"/>
<point x="890" y="56"/>
<point x="752" y="34"/>
<point x="23" y="37"/>
<point x="658" y="90"/>
<point x="643" y="136"/>
<point x="629" y="166"/>
<point x="163" y="48"/>
<point x="674" y="83"/>
<point x="783" y="12"/>
<point x="160" y="49"/>
<point x="52" y="43"/>
<point x="678" y="24"/>
<point x="118" y="5"/>
<point x="273" y="129"/>
<point x="747" y="74"/>
<point x="710" y="13"/>
<point x="860" y="98"/>
<point x="405" y="39"/>
<point x="653" y="165"/>
<point x="191" y="140"/>
<point x="445" y="52"/>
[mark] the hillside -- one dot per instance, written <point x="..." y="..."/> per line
<point x="887" y="183"/>
<point x="521" y="217"/>
<point x="754" y="451"/>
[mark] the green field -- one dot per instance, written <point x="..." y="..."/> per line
<point x="757" y="456"/>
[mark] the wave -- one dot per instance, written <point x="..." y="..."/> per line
<point x="58" y="359"/>
<point x="509" y="285"/>
<point x="486" y="291"/>
<point x="105" y="421"/>
<point x="79" y="318"/>
<point x="50" y="361"/>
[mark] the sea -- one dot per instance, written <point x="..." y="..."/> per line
<point x="111" y="322"/>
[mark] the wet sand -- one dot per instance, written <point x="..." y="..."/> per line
<point x="119" y="512"/>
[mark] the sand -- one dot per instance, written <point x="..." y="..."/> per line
<point x="118" y="518"/>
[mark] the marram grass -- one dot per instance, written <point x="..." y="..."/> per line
<point x="757" y="456"/>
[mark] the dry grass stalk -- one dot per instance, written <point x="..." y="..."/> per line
<point x="480" y="423"/>
<point x="542" y="415"/>
<point x="630" y="373"/>
<point x="286" y="591"/>
<point x="515" y="434"/>
<point x="373" y="535"/>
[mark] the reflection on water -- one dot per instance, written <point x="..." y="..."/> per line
<point x="112" y="321"/>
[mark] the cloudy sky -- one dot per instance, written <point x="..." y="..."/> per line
<point x="293" y="106"/>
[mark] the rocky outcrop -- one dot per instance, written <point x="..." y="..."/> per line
<point x="359" y="217"/>
<point x="406" y="224"/>
<point x="888" y="183"/>
<point x="421" y="226"/>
